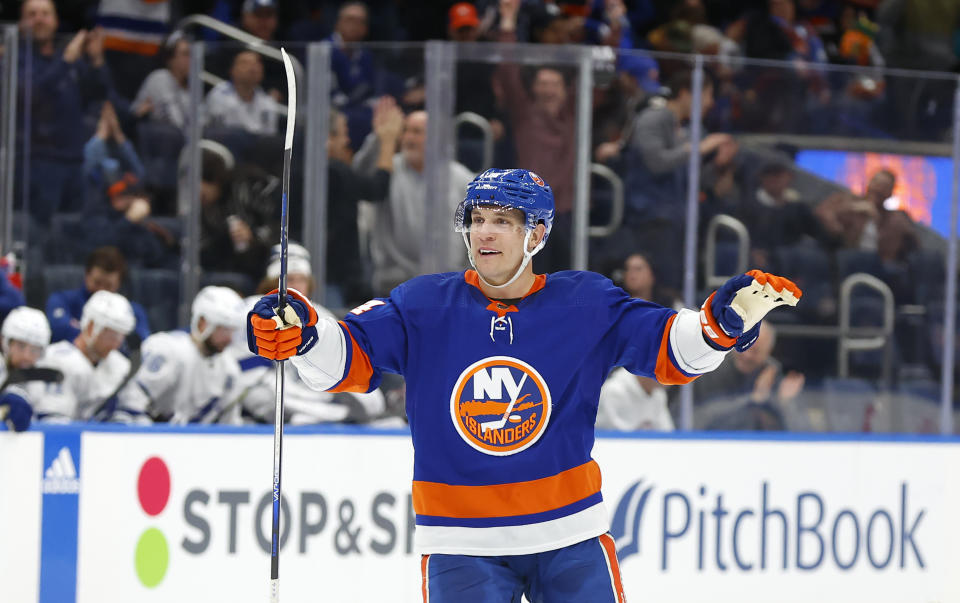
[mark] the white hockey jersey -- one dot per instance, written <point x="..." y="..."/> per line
<point x="84" y="388"/>
<point x="176" y="383"/>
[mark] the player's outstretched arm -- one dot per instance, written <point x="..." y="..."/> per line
<point x="316" y="345"/>
<point x="730" y="317"/>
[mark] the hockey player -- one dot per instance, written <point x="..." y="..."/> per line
<point x="302" y="404"/>
<point x="92" y="367"/>
<point x="504" y="369"/>
<point x="24" y="337"/>
<point x="186" y="377"/>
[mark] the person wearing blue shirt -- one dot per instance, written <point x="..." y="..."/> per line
<point x="105" y="270"/>
<point x="64" y="83"/>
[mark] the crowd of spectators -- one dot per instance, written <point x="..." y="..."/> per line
<point x="109" y="111"/>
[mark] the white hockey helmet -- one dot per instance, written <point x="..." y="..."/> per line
<point x="28" y="325"/>
<point x="108" y="310"/>
<point x="219" y="307"/>
<point x="298" y="261"/>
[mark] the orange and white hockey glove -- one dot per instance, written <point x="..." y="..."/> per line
<point x="730" y="318"/>
<point x="280" y="337"/>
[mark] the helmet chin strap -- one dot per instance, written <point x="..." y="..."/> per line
<point x="527" y="255"/>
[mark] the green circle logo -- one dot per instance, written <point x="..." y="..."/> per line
<point x="152" y="557"/>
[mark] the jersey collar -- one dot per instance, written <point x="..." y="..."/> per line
<point x="472" y="278"/>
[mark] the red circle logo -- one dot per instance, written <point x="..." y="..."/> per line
<point x="153" y="485"/>
<point x="500" y="405"/>
<point x="537" y="179"/>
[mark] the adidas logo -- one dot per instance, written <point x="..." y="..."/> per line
<point x="61" y="476"/>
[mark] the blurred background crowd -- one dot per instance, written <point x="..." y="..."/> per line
<point x="822" y="153"/>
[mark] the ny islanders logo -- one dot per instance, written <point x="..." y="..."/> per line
<point x="500" y="405"/>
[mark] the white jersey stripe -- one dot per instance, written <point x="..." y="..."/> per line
<point x="514" y="540"/>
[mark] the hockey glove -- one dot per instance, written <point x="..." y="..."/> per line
<point x="730" y="318"/>
<point x="15" y="411"/>
<point x="280" y="337"/>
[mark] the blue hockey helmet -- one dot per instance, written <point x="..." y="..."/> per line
<point x="514" y="189"/>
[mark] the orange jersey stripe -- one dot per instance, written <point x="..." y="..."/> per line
<point x="506" y="500"/>
<point x="360" y="370"/>
<point x="666" y="372"/>
<point x="131" y="46"/>
<point x="425" y="582"/>
<point x="610" y="551"/>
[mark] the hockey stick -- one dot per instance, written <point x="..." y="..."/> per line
<point x="278" y="418"/>
<point x="503" y="420"/>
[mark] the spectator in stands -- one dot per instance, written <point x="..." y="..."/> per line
<point x="608" y="24"/>
<point x="258" y="18"/>
<point x="756" y="382"/>
<point x="676" y="34"/>
<point x="657" y="153"/>
<point x="872" y="222"/>
<point x="630" y="402"/>
<point x="24" y="337"/>
<point x="346" y="187"/>
<point x="109" y="160"/>
<point x="775" y="33"/>
<point x="781" y="99"/>
<point x="237" y="216"/>
<point x="543" y="118"/>
<point x="241" y="103"/>
<point x="399" y="225"/>
<point x="134" y="32"/>
<point x="617" y="104"/>
<point x="655" y="158"/>
<point x="474" y="90"/>
<point x="302" y="404"/>
<point x="353" y="68"/>
<point x="189" y="376"/>
<point x="64" y="84"/>
<point x="164" y="96"/>
<point x="93" y="370"/>
<point x="105" y="270"/>
<point x="640" y="280"/>
<point x="125" y="224"/>
<point x="777" y="217"/>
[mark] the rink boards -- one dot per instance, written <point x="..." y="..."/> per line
<point x="142" y="515"/>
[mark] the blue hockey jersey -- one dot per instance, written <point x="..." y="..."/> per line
<point x="502" y="399"/>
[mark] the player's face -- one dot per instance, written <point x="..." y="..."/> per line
<point x="22" y="355"/>
<point x="496" y="242"/>
<point x="218" y="340"/>
<point x="300" y="282"/>
<point x="106" y="341"/>
<point x="98" y="279"/>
